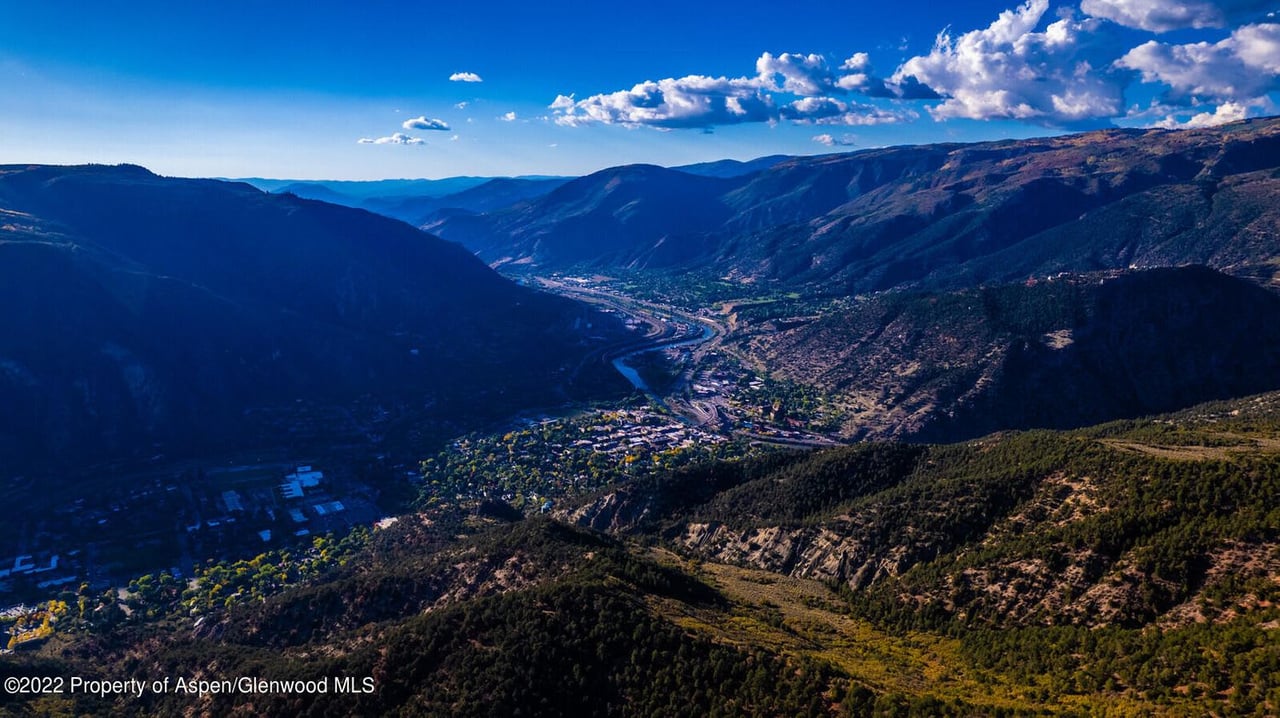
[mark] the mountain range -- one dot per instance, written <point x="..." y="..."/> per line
<point x="953" y="290"/>
<point x="930" y="216"/>
<point x="368" y="189"/>
<point x="424" y="201"/>
<point x="152" y="315"/>
<point x="282" y="289"/>
<point x="494" y="194"/>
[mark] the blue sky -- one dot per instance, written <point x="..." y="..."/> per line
<point x="286" y="89"/>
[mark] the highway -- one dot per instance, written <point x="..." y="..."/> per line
<point x="671" y="328"/>
<point x="667" y="328"/>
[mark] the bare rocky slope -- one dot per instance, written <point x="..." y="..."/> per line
<point x="1079" y="350"/>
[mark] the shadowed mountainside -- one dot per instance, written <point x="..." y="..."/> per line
<point x="495" y="194"/>
<point x="148" y="315"/>
<point x="637" y="215"/>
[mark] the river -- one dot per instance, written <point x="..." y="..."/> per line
<point x="633" y="376"/>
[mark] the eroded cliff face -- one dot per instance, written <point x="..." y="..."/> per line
<point x="828" y="554"/>
<point x="987" y="582"/>
<point x="1128" y="524"/>
<point x="841" y="548"/>
<point x="616" y="512"/>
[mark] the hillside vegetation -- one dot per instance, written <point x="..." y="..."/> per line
<point x="1130" y="568"/>
<point x="1077" y="350"/>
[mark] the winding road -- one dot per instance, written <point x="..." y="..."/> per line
<point x="668" y="328"/>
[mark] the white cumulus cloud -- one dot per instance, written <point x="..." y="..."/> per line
<point x="1068" y="69"/>
<point x="398" y="138"/>
<point x="1058" y="77"/>
<point x="703" y="102"/>
<point x="804" y="75"/>
<point x="860" y="78"/>
<point x="465" y="77"/>
<point x="508" y="117"/>
<point x="830" y="141"/>
<point x="830" y="111"/>
<point x="695" y="101"/>
<point x="1226" y="112"/>
<point x="811" y="76"/>
<point x="422" y="123"/>
<point x="1166" y="15"/>
<point x="1241" y="68"/>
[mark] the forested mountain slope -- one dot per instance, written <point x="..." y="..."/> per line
<point x="145" y="315"/>
<point x="1077" y="350"/>
<point x="1129" y="567"/>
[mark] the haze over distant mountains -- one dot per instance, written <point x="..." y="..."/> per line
<point x="418" y="201"/>
<point x="146" y="314"/>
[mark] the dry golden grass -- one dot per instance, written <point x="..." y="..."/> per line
<point x="1243" y="445"/>
<point x="802" y="617"/>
